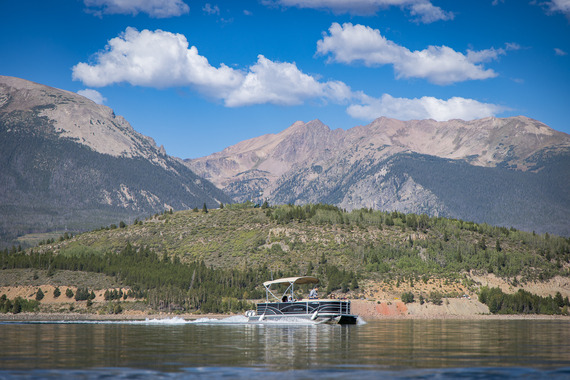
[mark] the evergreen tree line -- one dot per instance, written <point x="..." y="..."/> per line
<point x="18" y="305"/>
<point x="447" y="249"/>
<point x="522" y="302"/>
<point x="166" y="282"/>
<point x="552" y="247"/>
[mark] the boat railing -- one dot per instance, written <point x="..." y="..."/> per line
<point x="336" y="307"/>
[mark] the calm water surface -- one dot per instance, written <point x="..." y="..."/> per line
<point x="229" y="348"/>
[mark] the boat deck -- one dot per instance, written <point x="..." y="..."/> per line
<point x="317" y="310"/>
<point x="333" y="307"/>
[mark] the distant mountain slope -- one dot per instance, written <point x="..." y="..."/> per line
<point x="67" y="162"/>
<point x="512" y="171"/>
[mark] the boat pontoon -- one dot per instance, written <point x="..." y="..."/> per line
<point x="317" y="310"/>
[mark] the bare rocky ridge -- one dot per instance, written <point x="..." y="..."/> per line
<point x="78" y="118"/>
<point x="484" y="142"/>
<point x="373" y="166"/>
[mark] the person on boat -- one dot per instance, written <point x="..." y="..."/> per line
<point x="313" y="293"/>
<point x="284" y="299"/>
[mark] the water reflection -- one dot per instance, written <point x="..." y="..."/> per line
<point x="379" y="345"/>
<point x="444" y="343"/>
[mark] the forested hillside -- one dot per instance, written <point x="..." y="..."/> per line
<point x="68" y="164"/>
<point x="196" y="259"/>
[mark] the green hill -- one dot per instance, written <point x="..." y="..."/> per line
<point x="371" y="243"/>
<point x="228" y="252"/>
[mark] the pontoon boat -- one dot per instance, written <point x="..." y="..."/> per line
<point x="317" y="310"/>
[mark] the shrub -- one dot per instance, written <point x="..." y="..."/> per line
<point x="435" y="298"/>
<point x="408" y="297"/>
<point x="39" y="295"/>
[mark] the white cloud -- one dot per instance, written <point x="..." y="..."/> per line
<point x="282" y="83"/>
<point x="423" y="10"/>
<point x="154" y="8"/>
<point x="560" y="52"/>
<point x="93" y="95"/>
<point x="438" y="64"/>
<point x="211" y="10"/>
<point x="512" y="46"/>
<point x="162" y="59"/>
<point x="562" y="6"/>
<point x="485" y="55"/>
<point x="155" y="59"/>
<point x="423" y="108"/>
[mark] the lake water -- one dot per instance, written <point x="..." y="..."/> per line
<point x="230" y="348"/>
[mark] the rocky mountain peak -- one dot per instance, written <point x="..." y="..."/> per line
<point x="66" y="161"/>
<point x="420" y="166"/>
<point x="77" y="118"/>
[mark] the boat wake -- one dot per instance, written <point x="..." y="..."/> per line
<point x="178" y="321"/>
<point x="241" y="319"/>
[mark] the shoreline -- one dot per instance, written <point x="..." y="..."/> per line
<point x="70" y="317"/>
<point x="78" y="317"/>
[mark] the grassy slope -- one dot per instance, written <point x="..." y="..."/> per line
<point x="240" y="237"/>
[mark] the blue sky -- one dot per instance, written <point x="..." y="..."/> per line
<point x="198" y="76"/>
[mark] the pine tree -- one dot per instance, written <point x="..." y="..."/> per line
<point x="39" y="295"/>
<point x="205" y="209"/>
<point x="17" y="306"/>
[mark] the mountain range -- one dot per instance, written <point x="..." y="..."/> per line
<point x="67" y="163"/>
<point x="502" y="171"/>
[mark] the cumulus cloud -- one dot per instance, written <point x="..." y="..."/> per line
<point x="422" y="10"/>
<point x="283" y="83"/>
<point x="155" y="59"/>
<point x="93" y="95"/>
<point x="162" y="59"/>
<point x="438" y="64"/>
<point x="154" y="8"/>
<point x="423" y="108"/>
